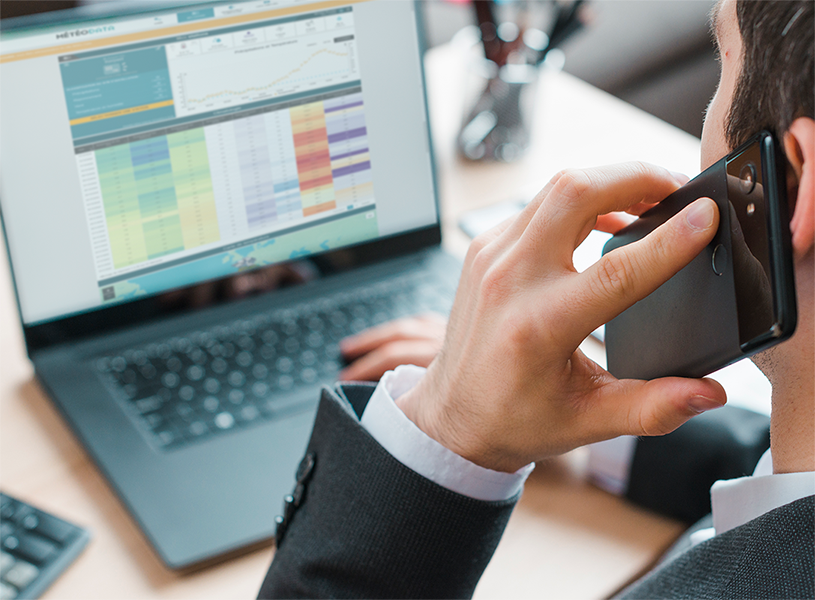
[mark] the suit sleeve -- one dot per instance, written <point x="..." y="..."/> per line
<point x="362" y="525"/>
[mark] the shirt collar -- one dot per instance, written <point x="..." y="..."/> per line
<point x="737" y="501"/>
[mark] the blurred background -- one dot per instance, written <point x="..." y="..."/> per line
<point x="655" y="54"/>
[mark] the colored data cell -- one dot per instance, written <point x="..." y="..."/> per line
<point x="157" y="196"/>
<point x="348" y="146"/>
<point x="193" y="187"/>
<point x="313" y="158"/>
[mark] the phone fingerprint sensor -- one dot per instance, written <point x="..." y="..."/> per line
<point x="719" y="261"/>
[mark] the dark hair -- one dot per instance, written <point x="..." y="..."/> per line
<point x="775" y="86"/>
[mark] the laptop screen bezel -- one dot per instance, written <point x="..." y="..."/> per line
<point x="74" y="327"/>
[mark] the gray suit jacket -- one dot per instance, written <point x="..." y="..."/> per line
<point x="362" y="525"/>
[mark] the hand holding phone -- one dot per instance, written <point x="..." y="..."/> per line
<point x="737" y="297"/>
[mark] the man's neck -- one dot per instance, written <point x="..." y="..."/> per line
<point x="791" y="370"/>
<point x="792" y="436"/>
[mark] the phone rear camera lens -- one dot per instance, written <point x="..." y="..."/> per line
<point x="747" y="178"/>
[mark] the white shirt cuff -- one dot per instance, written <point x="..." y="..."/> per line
<point x="412" y="447"/>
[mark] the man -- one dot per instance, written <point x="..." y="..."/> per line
<point x="410" y="499"/>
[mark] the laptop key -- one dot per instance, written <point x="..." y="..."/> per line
<point x="211" y="404"/>
<point x="244" y="359"/>
<point x="260" y="371"/>
<point x="284" y="364"/>
<point x="219" y="366"/>
<point x="6" y="562"/>
<point x="21" y="574"/>
<point x="197" y="428"/>
<point x="308" y="375"/>
<point x="7" y="592"/>
<point x="170" y="379"/>
<point x="224" y="420"/>
<point x="53" y="528"/>
<point x="148" y="371"/>
<point x="30" y="548"/>
<point x="249" y="413"/>
<point x="7" y="508"/>
<point x="186" y="392"/>
<point x="260" y="389"/>
<point x="195" y="373"/>
<point x="236" y="378"/>
<point x="149" y="404"/>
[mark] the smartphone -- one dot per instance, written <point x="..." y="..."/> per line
<point x="737" y="297"/>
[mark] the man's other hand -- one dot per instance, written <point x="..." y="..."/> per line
<point x="409" y="341"/>
<point x="510" y="385"/>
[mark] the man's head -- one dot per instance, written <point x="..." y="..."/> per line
<point x="766" y="52"/>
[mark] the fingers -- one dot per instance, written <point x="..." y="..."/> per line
<point x="639" y="209"/>
<point x="628" y="274"/>
<point x="424" y="327"/>
<point x="656" y="407"/>
<point x="373" y="365"/>
<point x="576" y="198"/>
<point x="412" y="340"/>
<point x="612" y="222"/>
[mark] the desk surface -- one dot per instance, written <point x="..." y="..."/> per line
<point x="566" y="538"/>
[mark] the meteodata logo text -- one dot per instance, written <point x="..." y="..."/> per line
<point x="81" y="32"/>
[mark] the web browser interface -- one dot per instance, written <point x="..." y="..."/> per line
<point x="157" y="151"/>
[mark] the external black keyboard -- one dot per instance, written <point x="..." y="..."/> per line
<point x="37" y="547"/>
<point x="207" y="382"/>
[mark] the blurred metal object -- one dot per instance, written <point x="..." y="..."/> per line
<point x="497" y="127"/>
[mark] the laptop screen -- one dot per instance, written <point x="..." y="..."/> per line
<point x="155" y="151"/>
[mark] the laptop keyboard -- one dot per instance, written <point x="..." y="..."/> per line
<point x="36" y="548"/>
<point x="208" y="382"/>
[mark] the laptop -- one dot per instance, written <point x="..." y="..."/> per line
<point x="199" y="201"/>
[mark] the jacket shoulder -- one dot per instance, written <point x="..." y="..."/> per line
<point x="768" y="557"/>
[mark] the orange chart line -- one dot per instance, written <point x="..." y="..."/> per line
<point x="272" y="84"/>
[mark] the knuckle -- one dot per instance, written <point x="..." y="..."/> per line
<point x="404" y="327"/>
<point x="571" y="185"/>
<point x="655" y="422"/>
<point x="615" y="274"/>
<point x="556" y="177"/>
<point x="387" y="353"/>
<point x="519" y="332"/>
<point x="476" y="254"/>
<point x="659" y="246"/>
<point x="481" y="262"/>
<point x="494" y="284"/>
<point x="479" y="242"/>
<point x="643" y="168"/>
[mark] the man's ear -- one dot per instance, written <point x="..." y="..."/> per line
<point x="799" y="146"/>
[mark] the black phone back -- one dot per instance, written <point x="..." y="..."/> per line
<point x="690" y="322"/>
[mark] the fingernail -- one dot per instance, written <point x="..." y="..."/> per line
<point x="700" y="215"/>
<point x="701" y="404"/>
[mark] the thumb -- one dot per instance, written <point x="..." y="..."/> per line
<point x="657" y="407"/>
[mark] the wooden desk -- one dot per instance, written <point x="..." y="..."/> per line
<point x="566" y="539"/>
